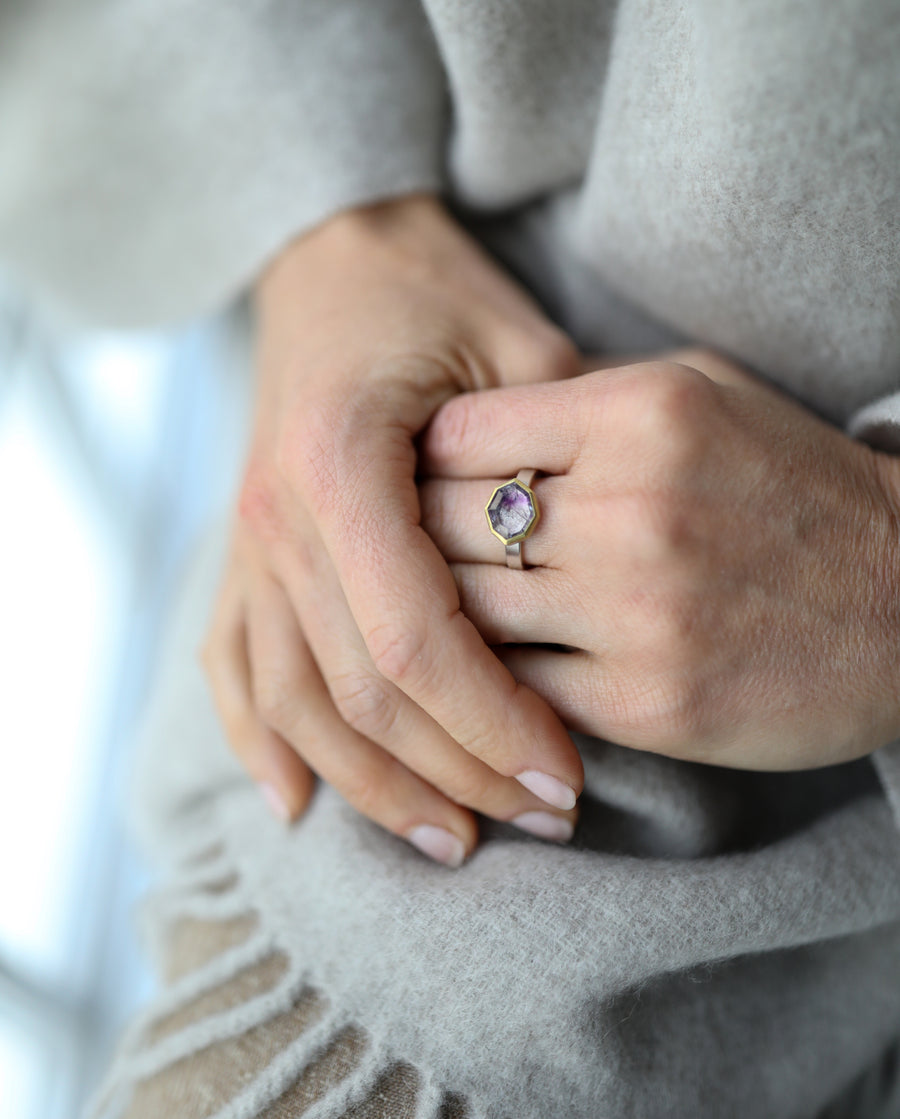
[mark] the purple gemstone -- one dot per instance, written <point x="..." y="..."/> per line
<point x="511" y="511"/>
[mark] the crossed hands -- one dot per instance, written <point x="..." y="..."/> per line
<point x="712" y="576"/>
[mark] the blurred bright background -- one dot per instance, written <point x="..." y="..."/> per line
<point x="115" y="451"/>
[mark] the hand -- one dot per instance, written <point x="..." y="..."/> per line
<point x="720" y="565"/>
<point x="338" y="646"/>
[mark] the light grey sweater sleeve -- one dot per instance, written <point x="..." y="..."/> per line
<point x="878" y="424"/>
<point x="191" y="139"/>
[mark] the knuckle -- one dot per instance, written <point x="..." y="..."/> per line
<point x="365" y="703"/>
<point x="678" y="710"/>
<point x="273" y="697"/>
<point x="258" y="501"/>
<point x="669" y="713"/>
<point x="635" y="527"/>
<point x="663" y="621"/>
<point x="670" y="400"/>
<point x="454" y="426"/>
<point x="674" y="389"/>
<point x="653" y="528"/>
<point x="306" y="455"/>
<point x="469" y="785"/>
<point x="366" y="789"/>
<point x="398" y="651"/>
<point x="549" y="357"/>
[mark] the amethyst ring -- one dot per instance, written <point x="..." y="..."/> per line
<point x="512" y="514"/>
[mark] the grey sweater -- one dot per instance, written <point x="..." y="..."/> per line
<point x="715" y="943"/>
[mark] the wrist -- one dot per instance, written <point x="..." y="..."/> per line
<point x="408" y="223"/>
<point x="887" y="590"/>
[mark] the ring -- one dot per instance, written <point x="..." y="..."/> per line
<point x="512" y="514"/>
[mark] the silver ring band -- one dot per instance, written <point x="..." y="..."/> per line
<point x="512" y="513"/>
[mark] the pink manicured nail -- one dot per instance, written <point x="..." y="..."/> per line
<point x="546" y="826"/>
<point x="276" y="802"/>
<point x="549" y="789"/>
<point x="438" y="844"/>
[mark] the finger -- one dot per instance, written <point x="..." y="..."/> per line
<point x="290" y="692"/>
<point x="382" y="713"/>
<point x="625" y="415"/>
<point x="404" y="602"/>
<point x="285" y="781"/>
<point x="496" y="432"/>
<point x="419" y="639"/>
<point x="572" y="683"/>
<point x="716" y="367"/>
<point x="538" y="353"/>
<point x="624" y="710"/>
<point x="521" y="607"/>
<point x="453" y="515"/>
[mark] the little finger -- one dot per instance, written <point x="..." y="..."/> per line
<point x="380" y="711"/>
<point x="284" y="780"/>
<point x="292" y="697"/>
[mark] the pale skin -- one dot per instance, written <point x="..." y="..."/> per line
<point x="337" y="646"/>
<point x="720" y="564"/>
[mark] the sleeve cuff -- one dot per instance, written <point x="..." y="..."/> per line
<point x="887" y="766"/>
<point x="878" y="424"/>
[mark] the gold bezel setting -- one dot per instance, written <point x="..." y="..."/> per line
<point x="533" y="505"/>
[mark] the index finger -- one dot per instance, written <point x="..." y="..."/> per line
<point x="407" y="607"/>
<point x="482" y="434"/>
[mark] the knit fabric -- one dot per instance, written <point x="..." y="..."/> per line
<point x="713" y="170"/>
<point x="714" y="942"/>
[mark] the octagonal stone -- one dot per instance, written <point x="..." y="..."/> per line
<point x="511" y="512"/>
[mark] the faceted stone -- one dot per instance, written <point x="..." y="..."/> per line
<point x="511" y="511"/>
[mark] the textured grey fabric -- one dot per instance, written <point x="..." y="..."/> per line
<point x="732" y="170"/>
<point x="714" y="943"/>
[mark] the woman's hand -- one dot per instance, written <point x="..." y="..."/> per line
<point x="721" y="567"/>
<point x="338" y="646"/>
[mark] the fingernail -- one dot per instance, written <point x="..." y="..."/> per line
<point x="546" y="826"/>
<point x="438" y="844"/>
<point x="276" y="802"/>
<point x="549" y="789"/>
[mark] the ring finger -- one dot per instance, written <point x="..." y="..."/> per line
<point x="291" y="695"/>
<point x="380" y="712"/>
<point x="453" y="515"/>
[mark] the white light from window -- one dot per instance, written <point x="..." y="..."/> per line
<point x="59" y="592"/>
<point x="21" y="1066"/>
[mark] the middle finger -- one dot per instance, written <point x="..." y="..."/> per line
<point x="382" y="713"/>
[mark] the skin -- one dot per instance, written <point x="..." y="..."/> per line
<point x="338" y="646"/>
<point x="721" y="566"/>
<point x="719" y="562"/>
